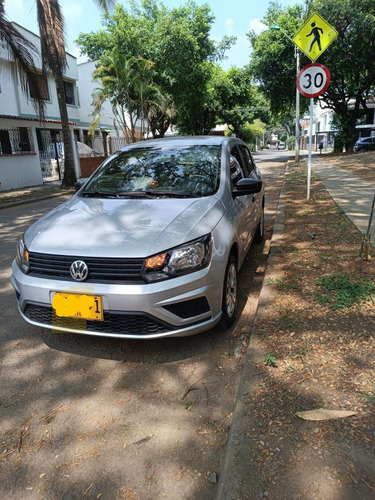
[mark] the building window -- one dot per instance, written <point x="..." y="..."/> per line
<point x="15" y="141"/>
<point x="69" y="93"/>
<point x="42" y="88"/>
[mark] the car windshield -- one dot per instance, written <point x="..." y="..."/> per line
<point x="184" y="171"/>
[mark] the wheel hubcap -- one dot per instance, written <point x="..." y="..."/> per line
<point x="231" y="290"/>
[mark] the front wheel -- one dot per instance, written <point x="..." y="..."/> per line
<point x="229" y="299"/>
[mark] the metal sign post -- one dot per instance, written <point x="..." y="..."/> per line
<point x="312" y="81"/>
<point x="313" y="39"/>
<point x="310" y="148"/>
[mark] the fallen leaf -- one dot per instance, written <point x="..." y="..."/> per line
<point x="144" y="440"/>
<point x="324" y="414"/>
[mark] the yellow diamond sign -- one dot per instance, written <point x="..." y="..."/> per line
<point x="315" y="36"/>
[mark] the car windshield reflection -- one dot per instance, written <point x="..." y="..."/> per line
<point x="192" y="171"/>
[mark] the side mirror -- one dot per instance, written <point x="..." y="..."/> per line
<point x="77" y="186"/>
<point x="247" y="186"/>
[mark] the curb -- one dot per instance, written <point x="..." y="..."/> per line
<point x="27" y="201"/>
<point x="234" y="464"/>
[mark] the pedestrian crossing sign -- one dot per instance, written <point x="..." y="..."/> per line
<point x="315" y="36"/>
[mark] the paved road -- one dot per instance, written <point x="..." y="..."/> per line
<point x="86" y="417"/>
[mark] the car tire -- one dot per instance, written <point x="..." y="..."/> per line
<point x="259" y="233"/>
<point x="229" y="298"/>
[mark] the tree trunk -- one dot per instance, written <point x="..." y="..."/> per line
<point x="69" y="173"/>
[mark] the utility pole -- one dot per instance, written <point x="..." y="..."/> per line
<point x="297" y="56"/>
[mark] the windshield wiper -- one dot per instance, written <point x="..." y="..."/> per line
<point x="99" y="194"/>
<point x="154" y="194"/>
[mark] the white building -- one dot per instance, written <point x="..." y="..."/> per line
<point x="30" y="149"/>
<point x="23" y="138"/>
<point x="323" y="132"/>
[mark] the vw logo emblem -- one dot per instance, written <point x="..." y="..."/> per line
<point x="79" y="270"/>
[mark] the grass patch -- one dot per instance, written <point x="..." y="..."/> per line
<point x="285" y="286"/>
<point x="370" y="393"/>
<point x="340" y="292"/>
<point x="284" y="321"/>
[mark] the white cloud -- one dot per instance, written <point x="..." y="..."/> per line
<point x="229" y="24"/>
<point x="257" y="26"/>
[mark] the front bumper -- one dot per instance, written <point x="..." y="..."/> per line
<point x="181" y="306"/>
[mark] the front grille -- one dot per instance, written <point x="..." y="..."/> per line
<point x="114" y="322"/>
<point x="189" y="308"/>
<point x="101" y="269"/>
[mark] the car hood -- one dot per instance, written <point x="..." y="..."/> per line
<point x="122" y="228"/>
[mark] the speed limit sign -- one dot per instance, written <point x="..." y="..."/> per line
<point x="313" y="80"/>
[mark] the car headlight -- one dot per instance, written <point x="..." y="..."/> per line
<point x="22" y="256"/>
<point x="177" y="261"/>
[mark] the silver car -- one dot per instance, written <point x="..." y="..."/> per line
<point x="149" y="246"/>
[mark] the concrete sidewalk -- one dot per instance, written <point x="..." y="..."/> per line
<point x="353" y="195"/>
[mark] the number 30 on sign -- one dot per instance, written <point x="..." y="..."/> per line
<point x="313" y="80"/>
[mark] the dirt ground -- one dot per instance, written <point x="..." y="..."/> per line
<point x="313" y="348"/>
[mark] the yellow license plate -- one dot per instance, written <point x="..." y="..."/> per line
<point x="73" y="305"/>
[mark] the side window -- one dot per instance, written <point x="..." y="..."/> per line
<point x="236" y="154"/>
<point x="235" y="171"/>
<point x="248" y="160"/>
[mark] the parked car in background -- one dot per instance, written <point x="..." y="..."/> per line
<point x="281" y="145"/>
<point x="149" y="246"/>
<point x="364" y="144"/>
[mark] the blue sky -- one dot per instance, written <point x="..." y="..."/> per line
<point x="233" y="17"/>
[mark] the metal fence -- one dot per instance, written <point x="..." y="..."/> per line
<point x="16" y="141"/>
<point x="107" y="145"/>
<point x="51" y="153"/>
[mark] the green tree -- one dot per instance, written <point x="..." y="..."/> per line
<point x="177" y="41"/>
<point x="350" y="62"/>
<point x="349" y="59"/>
<point x="127" y="83"/>
<point x="273" y="62"/>
<point x="241" y="101"/>
<point x="253" y="133"/>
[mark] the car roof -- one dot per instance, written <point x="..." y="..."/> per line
<point x="178" y="141"/>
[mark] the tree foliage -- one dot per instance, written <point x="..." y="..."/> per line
<point x="349" y="59"/>
<point x="178" y="42"/>
<point x="350" y="62"/>
<point x="241" y="101"/>
<point x="273" y="61"/>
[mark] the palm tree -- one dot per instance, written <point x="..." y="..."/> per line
<point x="127" y="83"/>
<point x="51" y="28"/>
<point x="21" y="51"/>
<point x="116" y="75"/>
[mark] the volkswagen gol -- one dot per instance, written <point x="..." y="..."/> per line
<point x="149" y="246"/>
